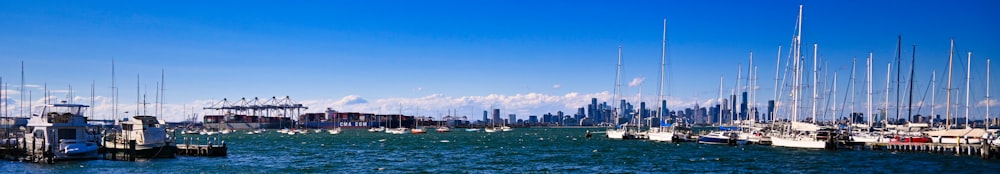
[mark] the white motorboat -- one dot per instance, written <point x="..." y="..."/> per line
<point x="60" y="133"/>
<point x="148" y="133"/>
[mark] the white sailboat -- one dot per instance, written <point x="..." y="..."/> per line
<point x="665" y="131"/>
<point x="798" y="134"/>
<point x="617" y="131"/>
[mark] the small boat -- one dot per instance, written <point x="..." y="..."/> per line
<point x="401" y="130"/>
<point x="418" y="131"/>
<point x="190" y="131"/>
<point x="443" y="129"/>
<point x="472" y="129"/>
<point x="334" y="131"/>
<point x="506" y="128"/>
<point x="490" y="130"/>
<point x="615" y="133"/>
<point x="721" y="137"/>
<point x="376" y="129"/>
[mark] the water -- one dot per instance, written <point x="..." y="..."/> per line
<point x="534" y="150"/>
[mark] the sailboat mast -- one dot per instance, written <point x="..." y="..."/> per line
<point x="888" y="79"/>
<point x="909" y="107"/>
<point x="798" y="66"/>
<point x="834" y="95"/>
<point x="114" y="97"/>
<point x="618" y="86"/>
<point x="968" y="75"/>
<point x="719" y="100"/>
<point x="947" y="110"/>
<point x="933" y="94"/>
<point x="21" y="95"/>
<point x="777" y="70"/>
<point x="854" y="65"/>
<point x="987" y="124"/>
<point x="749" y="88"/>
<point x="663" y="63"/>
<point x="815" y="79"/>
<point x="869" y="82"/>
<point x="899" y="45"/>
<point x="736" y="92"/>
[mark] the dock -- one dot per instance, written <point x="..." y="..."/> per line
<point x="196" y="146"/>
<point x="984" y="151"/>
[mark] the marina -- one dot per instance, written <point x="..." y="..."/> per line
<point x="446" y="87"/>
<point x="521" y="150"/>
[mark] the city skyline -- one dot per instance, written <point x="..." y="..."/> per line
<point x="431" y="57"/>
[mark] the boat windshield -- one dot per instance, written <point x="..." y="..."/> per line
<point x="61" y="109"/>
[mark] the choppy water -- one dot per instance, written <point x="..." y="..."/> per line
<point x="534" y="150"/>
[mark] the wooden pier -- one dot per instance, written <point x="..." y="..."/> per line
<point x="192" y="146"/>
<point x="984" y="151"/>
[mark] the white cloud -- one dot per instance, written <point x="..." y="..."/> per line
<point x="434" y="105"/>
<point x="636" y="81"/>
<point x="351" y="100"/>
<point x="556" y="86"/>
<point x="992" y="102"/>
<point x="419" y="89"/>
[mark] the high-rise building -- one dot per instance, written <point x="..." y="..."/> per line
<point x="734" y="109"/>
<point x="513" y="117"/>
<point x="663" y="109"/>
<point x="496" y="115"/>
<point x="726" y="112"/>
<point x="485" y="117"/>
<point x="770" y="110"/>
<point x="744" y="115"/>
<point x="533" y="119"/>
<point x="559" y="116"/>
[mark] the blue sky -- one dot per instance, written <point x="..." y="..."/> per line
<point x="468" y="55"/>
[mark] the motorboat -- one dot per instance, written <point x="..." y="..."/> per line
<point x="60" y="133"/>
<point x="149" y="135"/>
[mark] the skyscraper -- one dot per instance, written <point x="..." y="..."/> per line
<point x="496" y="115"/>
<point x="513" y="118"/>
<point x="770" y="110"/>
<point x="743" y="107"/>
<point x="485" y="117"/>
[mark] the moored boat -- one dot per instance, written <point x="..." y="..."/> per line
<point x="149" y="135"/>
<point x="60" y="133"/>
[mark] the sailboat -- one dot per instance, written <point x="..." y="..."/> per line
<point x="416" y="128"/>
<point x="798" y="134"/>
<point x="617" y="131"/>
<point x="441" y="127"/>
<point x="400" y="129"/>
<point x="665" y="131"/>
<point x="967" y="135"/>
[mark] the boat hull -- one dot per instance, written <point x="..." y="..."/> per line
<point x="661" y="136"/>
<point x="615" y="134"/>
<point x="797" y="143"/>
